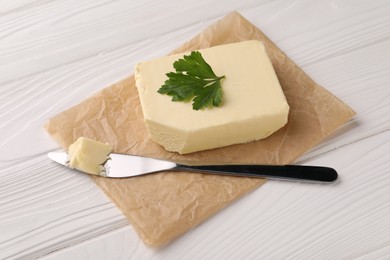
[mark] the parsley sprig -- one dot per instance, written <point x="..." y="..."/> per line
<point x="193" y="80"/>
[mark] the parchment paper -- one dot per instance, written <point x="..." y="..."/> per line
<point x="165" y="205"/>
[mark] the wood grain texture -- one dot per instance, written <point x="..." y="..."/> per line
<point x="53" y="54"/>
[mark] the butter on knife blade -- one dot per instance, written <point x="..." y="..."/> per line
<point x="103" y="163"/>
<point x="88" y="155"/>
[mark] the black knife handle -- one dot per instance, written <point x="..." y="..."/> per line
<point x="288" y="172"/>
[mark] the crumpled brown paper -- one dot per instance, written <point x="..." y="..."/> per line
<point x="163" y="206"/>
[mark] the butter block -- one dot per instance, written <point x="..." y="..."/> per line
<point x="253" y="105"/>
<point x="88" y="155"/>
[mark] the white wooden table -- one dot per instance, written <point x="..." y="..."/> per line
<point x="54" y="54"/>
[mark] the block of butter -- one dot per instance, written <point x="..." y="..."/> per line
<point x="88" y="155"/>
<point x="253" y="105"/>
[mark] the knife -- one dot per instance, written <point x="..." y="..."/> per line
<point x="123" y="166"/>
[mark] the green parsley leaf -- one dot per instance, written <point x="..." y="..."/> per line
<point x="194" y="80"/>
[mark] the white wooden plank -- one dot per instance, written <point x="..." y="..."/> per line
<point x="60" y="33"/>
<point x="45" y="207"/>
<point x="360" y="79"/>
<point x="42" y="36"/>
<point x="312" y="31"/>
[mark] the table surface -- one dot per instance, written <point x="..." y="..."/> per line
<point x="54" y="54"/>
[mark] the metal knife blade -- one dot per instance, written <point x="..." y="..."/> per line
<point x="123" y="166"/>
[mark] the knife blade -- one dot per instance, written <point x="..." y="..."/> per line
<point x="124" y="166"/>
